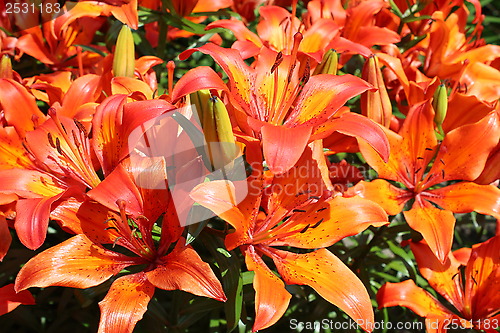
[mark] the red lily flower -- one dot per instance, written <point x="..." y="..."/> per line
<point x="312" y="220"/>
<point x="411" y="152"/>
<point x="279" y="102"/>
<point x="468" y="279"/>
<point x="123" y="215"/>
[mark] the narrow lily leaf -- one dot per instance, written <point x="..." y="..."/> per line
<point x="183" y="269"/>
<point x="74" y="263"/>
<point x="9" y="299"/>
<point x="407" y="294"/>
<point x="271" y="297"/>
<point x="232" y="279"/>
<point x="331" y="278"/>
<point x="125" y="303"/>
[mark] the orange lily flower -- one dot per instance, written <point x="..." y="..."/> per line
<point x="412" y="150"/>
<point x="279" y="102"/>
<point x="9" y="299"/>
<point x="468" y="279"/>
<point x="54" y="44"/>
<point x="124" y="215"/>
<point x="359" y="21"/>
<point x="312" y="220"/>
<point x="275" y="30"/>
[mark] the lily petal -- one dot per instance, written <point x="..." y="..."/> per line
<point x="125" y="303"/>
<point x="9" y="299"/>
<point x="74" y="263"/>
<point x="482" y="293"/>
<point x="271" y="297"/>
<point x="391" y="198"/>
<point x="183" y="269"/>
<point x="32" y="220"/>
<point x="464" y="150"/>
<point x="407" y="294"/>
<point x="331" y="278"/>
<point x="240" y="74"/>
<point x="442" y="276"/>
<point x="196" y="79"/>
<point x="324" y="225"/>
<point x="435" y="225"/>
<point x="322" y="96"/>
<point x="5" y="239"/>
<point x="283" y="146"/>
<point x="465" y="197"/>
<point x="19" y="106"/>
<point x="361" y="128"/>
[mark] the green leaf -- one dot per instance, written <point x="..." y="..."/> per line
<point x="232" y="279"/>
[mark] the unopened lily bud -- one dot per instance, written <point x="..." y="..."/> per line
<point x="221" y="145"/>
<point x="328" y="64"/>
<point x="124" y="58"/>
<point x="5" y="67"/>
<point x="440" y="105"/>
<point x="200" y="100"/>
<point x="376" y="105"/>
<point x="224" y="131"/>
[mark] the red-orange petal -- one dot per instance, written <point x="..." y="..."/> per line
<point x="331" y="279"/>
<point x="5" y="238"/>
<point x="442" y="276"/>
<point x="198" y="78"/>
<point x="183" y="269"/>
<point x="271" y="297"/>
<point x="74" y="263"/>
<point x="9" y="299"/>
<point x="407" y="294"/>
<point x="482" y="293"/>
<point x="32" y="220"/>
<point x="361" y="128"/>
<point x="435" y="225"/>
<point x="324" y="225"/>
<point x="464" y="151"/>
<point x="465" y="197"/>
<point x="391" y="198"/>
<point x="283" y="146"/>
<point x="19" y="106"/>
<point x="125" y="303"/>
